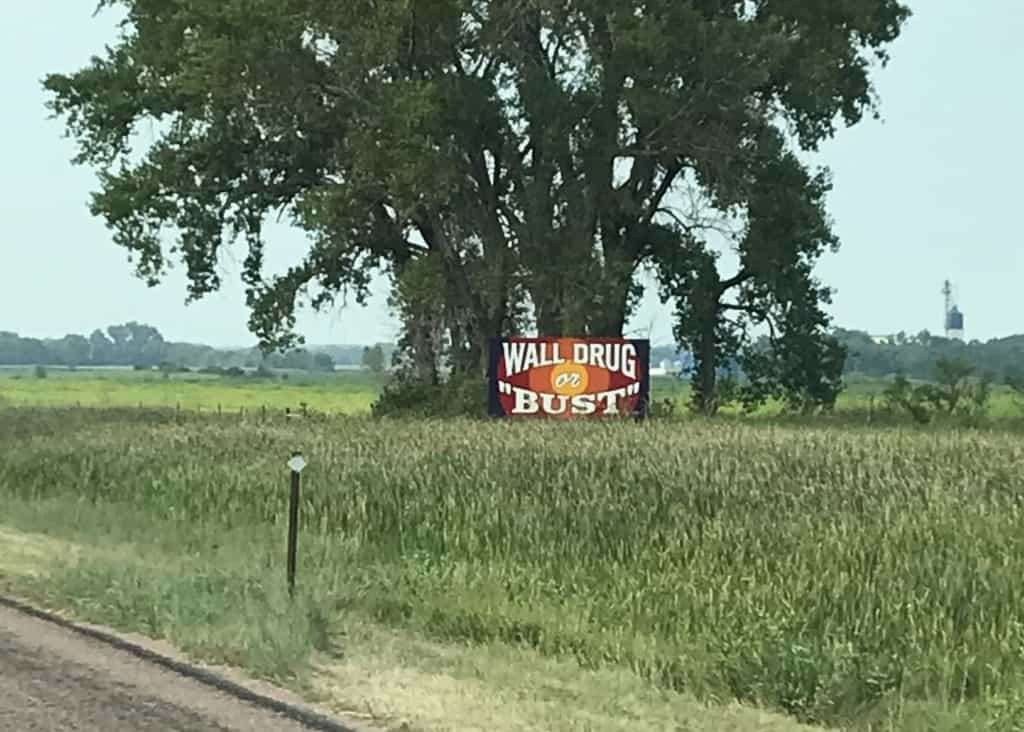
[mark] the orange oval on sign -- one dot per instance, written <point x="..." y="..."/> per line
<point x="570" y="379"/>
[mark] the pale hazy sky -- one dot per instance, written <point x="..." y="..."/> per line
<point x="930" y="192"/>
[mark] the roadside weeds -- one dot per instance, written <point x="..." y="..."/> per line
<point x="364" y="670"/>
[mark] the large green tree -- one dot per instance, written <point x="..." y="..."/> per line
<point x="501" y="149"/>
<point x="784" y="230"/>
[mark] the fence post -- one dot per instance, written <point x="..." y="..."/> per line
<point x="295" y="465"/>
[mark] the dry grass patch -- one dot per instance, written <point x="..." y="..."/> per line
<point x="25" y="554"/>
<point x="418" y="685"/>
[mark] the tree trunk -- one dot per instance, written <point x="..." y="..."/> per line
<point x="494" y="327"/>
<point x="621" y="248"/>
<point x="706" y="314"/>
<point x="422" y="339"/>
<point x="546" y="311"/>
<point x="704" y="396"/>
<point x="610" y="322"/>
<point x="599" y="308"/>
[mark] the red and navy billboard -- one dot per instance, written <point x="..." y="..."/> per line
<point x="569" y="377"/>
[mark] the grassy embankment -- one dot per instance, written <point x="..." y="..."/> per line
<point x="855" y="576"/>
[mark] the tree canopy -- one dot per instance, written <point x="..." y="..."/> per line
<point x="501" y="161"/>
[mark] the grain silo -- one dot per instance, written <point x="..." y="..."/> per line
<point x="954" y="319"/>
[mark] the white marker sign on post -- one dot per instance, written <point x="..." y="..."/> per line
<point x="297" y="463"/>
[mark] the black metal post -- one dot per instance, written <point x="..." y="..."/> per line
<point x="293" y="527"/>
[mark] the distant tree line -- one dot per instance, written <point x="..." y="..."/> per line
<point x="912" y="356"/>
<point x="915" y="356"/>
<point x="140" y="345"/>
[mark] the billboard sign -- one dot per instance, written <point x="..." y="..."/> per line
<point x="569" y="377"/>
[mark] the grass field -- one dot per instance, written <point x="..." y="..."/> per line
<point x="348" y="392"/>
<point x="858" y="576"/>
<point x="344" y="393"/>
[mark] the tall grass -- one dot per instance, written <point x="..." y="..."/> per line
<point x="838" y="574"/>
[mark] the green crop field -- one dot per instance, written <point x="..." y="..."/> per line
<point x="857" y="576"/>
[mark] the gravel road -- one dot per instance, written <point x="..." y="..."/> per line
<point x="52" y="679"/>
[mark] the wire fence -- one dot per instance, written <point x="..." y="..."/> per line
<point x="262" y="411"/>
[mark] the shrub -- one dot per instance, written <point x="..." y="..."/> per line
<point x="957" y="392"/>
<point x="901" y="397"/>
<point x="459" y="397"/>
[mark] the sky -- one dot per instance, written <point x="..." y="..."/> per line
<point x="930" y="192"/>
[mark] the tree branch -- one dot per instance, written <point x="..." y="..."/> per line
<point x="663" y="188"/>
<point x="762" y="314"/>
<point x="738" y="279"/>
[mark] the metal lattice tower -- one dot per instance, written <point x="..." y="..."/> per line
<point x="947" y="292"/>
<point x="953" y="318"/>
